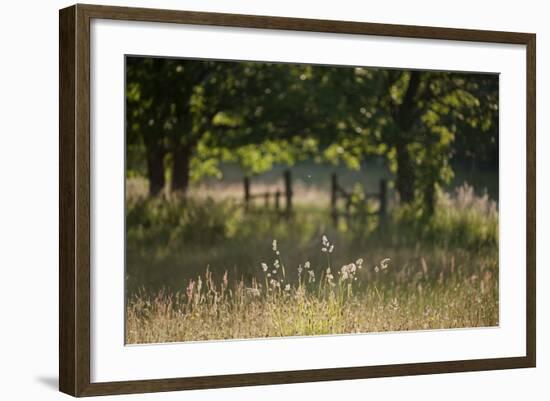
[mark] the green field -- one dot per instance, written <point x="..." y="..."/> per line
<point x="194" y="266"/>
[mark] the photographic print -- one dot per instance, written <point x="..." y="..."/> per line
<point x="270" y="199"/>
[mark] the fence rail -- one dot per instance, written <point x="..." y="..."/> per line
<point x="276" y="195"/>
<point x="339" y="192"/>
<point x="273" y="200"/>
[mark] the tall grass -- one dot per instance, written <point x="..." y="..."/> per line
<point x="201" y="269"/>
<point x="461" y="219"/>
<point x="321" y="300"/>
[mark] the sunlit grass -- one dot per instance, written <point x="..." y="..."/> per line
<point x="357" y="297"/>
<point x="200" y="269"/>
<point x="319" y="301"/>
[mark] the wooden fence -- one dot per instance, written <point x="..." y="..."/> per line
<point x="271" y="197"/>
<point x="272" y="200"/>
<point x="338" y="192"/>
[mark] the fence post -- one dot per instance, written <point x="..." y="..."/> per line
<point x="246" y="193"/>
<point x="348" y="209"/>
<point x="288" y="191"/>
<point x="383" y="198"/>
<point x="277" y="200"/>
<point x="334" y="197"/>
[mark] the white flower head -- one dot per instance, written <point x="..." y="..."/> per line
<point x="323" y="249"/>
<point x="384" y="263"/>
<point x="264" y="267"/>
<point x="307" y="265"/>
<point x="325" y="240"/>
<point x="311" y="276"/>
<point x="331" y="249"/>
<point x="287" y="287"/>
<point x="348" y="271"/>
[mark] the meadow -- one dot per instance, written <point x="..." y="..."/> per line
<point x="201" y="268"/>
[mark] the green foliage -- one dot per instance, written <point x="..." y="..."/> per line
<point x="258" y="114"/>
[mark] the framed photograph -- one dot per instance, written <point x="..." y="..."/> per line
<point x="250" y="200"/>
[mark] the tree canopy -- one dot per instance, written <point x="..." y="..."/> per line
<point x="184" y="117"/>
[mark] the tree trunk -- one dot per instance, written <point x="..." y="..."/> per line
<point x="405" y="116"/>
<point x="180" y="174"/>
<point x="405" y="177"/>
<point x="429" y="198"/>
<point x="155" y="171"/>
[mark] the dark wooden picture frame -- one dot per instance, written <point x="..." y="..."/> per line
<point x="74" y="204"/>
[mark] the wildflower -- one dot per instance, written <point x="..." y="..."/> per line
<point x="311" y="276"/>
<point x="329" y="276"/>
<point x="274" y="271"/>
<point x="348" y="271"/>
<point x="307" y="265"/>
<point x="276" y="264"/>
<point x="327" y="246"/>
<point x="274" y="244"/>
<point x="264" y="267"/>
<point x="384" y="263"/>
<point x="359" y="263"/>
<point x="287" y="287"/>
<point x="376" y="269"/>
<point x="274" y="283"/>
<point x="299" y="270"/>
